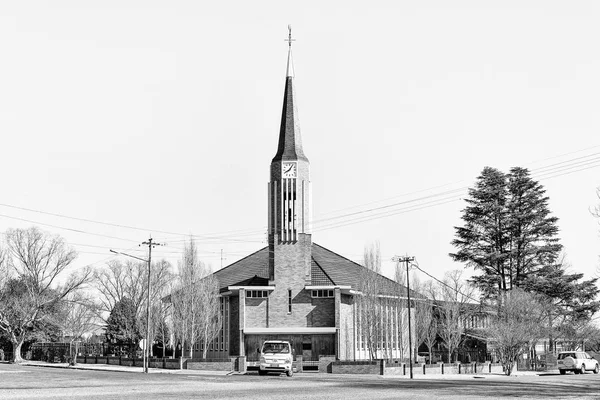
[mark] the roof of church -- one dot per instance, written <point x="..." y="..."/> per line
<point x="327" y="269"/>
<point x="290" y="141"/>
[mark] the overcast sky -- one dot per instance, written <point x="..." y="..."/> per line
<point x="164" y="116"/>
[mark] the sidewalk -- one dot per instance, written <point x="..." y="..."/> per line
<point x="139" y="370"/>
<point x="121" y="368"/>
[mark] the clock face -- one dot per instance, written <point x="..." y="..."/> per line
<point x="288" y="170"/>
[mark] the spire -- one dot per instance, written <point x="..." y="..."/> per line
<point x="290" y="61"/>
<point x="290" y="142"/>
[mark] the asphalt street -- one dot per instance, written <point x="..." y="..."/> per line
<point x="36" y="382"/>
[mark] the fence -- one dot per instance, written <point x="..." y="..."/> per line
<point x="163" y="363"/>
<point x="543" y="362"/>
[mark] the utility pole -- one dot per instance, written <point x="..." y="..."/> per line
<point x="150" y="244"/>
<point x="222" y="258"/>
<point x="407" y="260"/>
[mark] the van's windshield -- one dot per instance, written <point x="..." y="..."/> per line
<point x="282" y="348"/>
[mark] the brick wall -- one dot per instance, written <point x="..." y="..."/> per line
<point x="291" y="263"/>
<point x="211" y="365"/>
<point x="356" y="367"/>
<point x="322" y="313"/>
<point x="326" y="364"/>
<point x="256" y="312"/>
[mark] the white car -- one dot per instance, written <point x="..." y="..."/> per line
<point x="276" y="356"/>
<point x="576" y="361"/>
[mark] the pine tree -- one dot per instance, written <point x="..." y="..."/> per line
<point x="122" y="328"/>
<point x="482" y="242"/>
<point x="509" y="233"/>
<point x="532" y="230"/>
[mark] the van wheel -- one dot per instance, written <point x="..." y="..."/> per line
<point x="597" y="369"/>
<point x="289" y="373"/>
<point x="261" y="372"/>
<point x="562" y="371"/>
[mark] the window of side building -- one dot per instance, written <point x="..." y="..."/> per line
<point x="323" y="293"/>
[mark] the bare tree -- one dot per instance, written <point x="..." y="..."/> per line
<point x="195" y="301"/>
<point x="37" y="262"/>
<point x="118" y="280"/>
<point x="425" y="322"/>
<point x="210" y="311"/>
<point x="402" y="309"/>
<point x="5" y="272"/>
<point x="515" y="327"/>
<point x="369" y="302"/>
<point x="453" y="300"/>
<point x="80" y="318"/>
<point x="159" y="329"/>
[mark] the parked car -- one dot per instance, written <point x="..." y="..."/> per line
<point x="577" y="361"/>
<point x="276" y="356"/>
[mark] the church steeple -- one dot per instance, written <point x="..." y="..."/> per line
<point x="290" y="141"/>
<point x="289" y="197"/>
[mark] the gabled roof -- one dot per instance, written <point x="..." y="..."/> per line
<point x="345" y="272"/>
<point x="252" y="270"/>
<point x="327" y="269"/>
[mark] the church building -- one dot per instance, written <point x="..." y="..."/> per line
<point x="295" y="289"/>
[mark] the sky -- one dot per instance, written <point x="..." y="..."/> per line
<point x="121" y="120"/>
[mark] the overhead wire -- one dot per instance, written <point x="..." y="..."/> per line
<point x="444" y="283"/>
<point x="550" y="171"/>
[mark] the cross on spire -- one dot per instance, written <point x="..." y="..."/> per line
<point x="289" y="39"/>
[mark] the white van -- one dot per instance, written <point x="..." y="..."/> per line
<point x="276" y="356"/>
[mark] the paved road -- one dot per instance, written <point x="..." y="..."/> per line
<point x="32" y="382"/>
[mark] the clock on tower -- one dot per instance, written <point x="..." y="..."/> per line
<point x="288" y="170"/>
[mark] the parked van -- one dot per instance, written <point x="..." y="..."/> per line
<point x="276" y="356"/>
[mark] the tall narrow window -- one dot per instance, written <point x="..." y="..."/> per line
<point x="289" y="301"/>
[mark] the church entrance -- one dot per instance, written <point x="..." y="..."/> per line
<point x="310" y="347"/>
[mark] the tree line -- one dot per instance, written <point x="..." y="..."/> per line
<point x="43" y="298"/>
<point x="509" y="238"/>
<point x="521" y="281"/>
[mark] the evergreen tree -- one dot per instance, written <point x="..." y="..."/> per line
<point x="532" y="230"/>
<point x="482" y="242"/>
<point x="509" y="233"/>
<point x="511" y="238"/>
<point x="122" y="329"/>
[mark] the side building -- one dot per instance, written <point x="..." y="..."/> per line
<point x="297" y="290"/>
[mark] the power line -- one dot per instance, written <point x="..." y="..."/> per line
<point x="68" y="229"/>
<point x="445" y="284"/>
<point x="550" y="171"/>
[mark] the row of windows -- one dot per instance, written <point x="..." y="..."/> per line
<point x="323" y="293"/>
<point x="257" y="293"/>
<point x="221" y="341"/>
<point x="260" y="294"/>
<point x="379" y="325"/>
